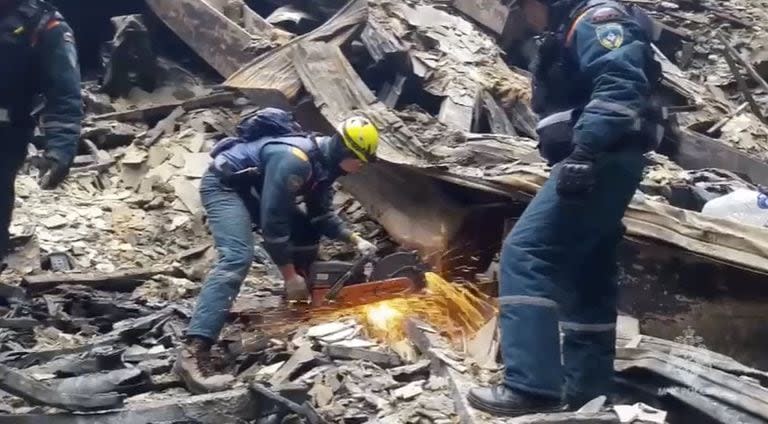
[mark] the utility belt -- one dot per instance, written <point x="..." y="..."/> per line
<point x="555" y="132"/>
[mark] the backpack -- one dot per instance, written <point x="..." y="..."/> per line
<point x="267" y="122"/>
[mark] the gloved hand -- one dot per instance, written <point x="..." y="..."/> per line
<point x="577" y="173"/>
<point x="52" y="171"/>
<point x="296" y="288"/>
<point x="365" y="247"/>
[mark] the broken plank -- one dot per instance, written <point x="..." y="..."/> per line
<point x="39" y="393"/>
<point x="224" y="407"/>
<point x="303" y="356"/>
<point x="126" y="280"/>
<point x="381" y="44"/>
<point x="383" y="359"/>
<point x="567" y="418"/>
<point x="150" y="113"/>
<point x="165" y="126"/>
<point x="456" y="115"/>
<point x="219" y="41"/>
<point x="337" y="90"/>
<point x="721" y="123"/>
<point x="737" y="22"/>
<point x="410" y="372"/>
<point x="719" y="411"/>
<point x="700" y="356"/>
<point x="274" y="70"/>
<point x="718" y="385"/>
<point x="744" y="63"/>
<point x="697" y="151"/>
<point x="19" y="323"/>
<point x="498" y="120"/>
<point x="731" y="56"/>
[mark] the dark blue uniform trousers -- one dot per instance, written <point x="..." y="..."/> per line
<point x="12" y="153"/>
<point x="558" y="273"/>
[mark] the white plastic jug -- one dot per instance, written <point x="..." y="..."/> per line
<point x="742" y="205"/>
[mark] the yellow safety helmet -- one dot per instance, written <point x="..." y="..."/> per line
<point x="361" y="137"/>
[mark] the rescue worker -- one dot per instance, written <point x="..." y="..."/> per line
<point x="593" y="78"/>
<point x="258" y="183"/>
<point x="38" y="57"/>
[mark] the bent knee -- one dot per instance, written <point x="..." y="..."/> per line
<point x="235" y="260"/>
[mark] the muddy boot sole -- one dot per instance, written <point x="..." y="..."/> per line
<point x="203" y="385"/>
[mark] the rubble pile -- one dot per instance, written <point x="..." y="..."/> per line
<point x="105" y="270"/>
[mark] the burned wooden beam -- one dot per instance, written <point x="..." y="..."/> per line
<point x="337" y="90"/>
<point x="219" y="41"/>
<point x="119" y="280"/>
<point x="39" y="393"/>
<point x="150" y="113"/>
<point x="731" y="56"/>
<point x="238" y="405"/>
<point x="717" y="385"/>
<point x="19" y="323"/>
<point x="698" y="355"/>
<point x="693" y="150"/>
<point x="718" y="411"/>
<point x="274" y="70"/>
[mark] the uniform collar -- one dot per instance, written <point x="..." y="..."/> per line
<point x="332" y="152"/>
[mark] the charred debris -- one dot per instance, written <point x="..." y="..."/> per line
<point x="105" y="271"/>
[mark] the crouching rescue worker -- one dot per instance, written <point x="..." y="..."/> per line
<point x="256" y="179"/>
<point x="593" y="80"/>
<point x="38" y="55"/>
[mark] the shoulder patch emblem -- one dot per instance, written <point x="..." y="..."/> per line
<point x="299" y="154"/>
<point x="605" y="14"/>
<point x="610" y="36"/>
<point x="69" y="37"/>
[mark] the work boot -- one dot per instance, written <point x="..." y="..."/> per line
<point x="296" y="289"/>
<point x="194" y="368"/>
<point x="501" y="400"/>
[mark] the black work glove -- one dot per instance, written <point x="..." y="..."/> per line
<point x="577" y="173"/>
<point x="52" y="171"/>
